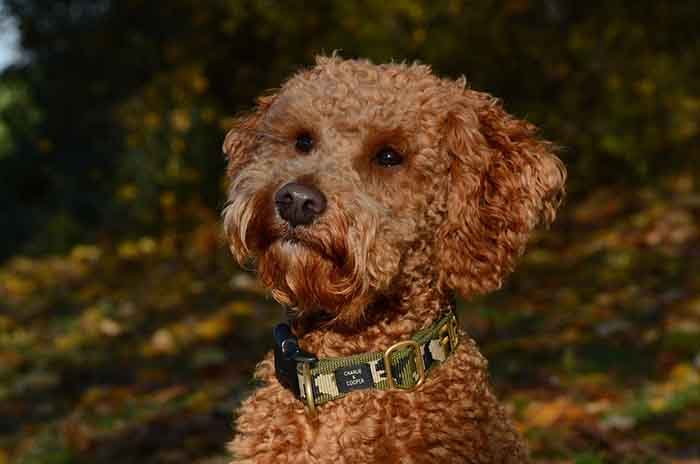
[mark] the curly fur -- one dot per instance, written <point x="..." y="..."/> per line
<point x="387" y="255"/>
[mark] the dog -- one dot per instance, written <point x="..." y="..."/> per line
<point x="367" y="196"/>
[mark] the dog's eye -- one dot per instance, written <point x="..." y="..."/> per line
<point x="387" y="156"/>
<point x="304" y="143"/>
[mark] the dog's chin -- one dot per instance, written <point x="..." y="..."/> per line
<point x="302" y="276"/>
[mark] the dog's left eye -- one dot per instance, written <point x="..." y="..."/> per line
<point x="304" y="143"/>
<point x="387" y="156"/>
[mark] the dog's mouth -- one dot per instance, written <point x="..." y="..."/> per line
<point x="296" y="240"/>
<point x="310" y="270"/>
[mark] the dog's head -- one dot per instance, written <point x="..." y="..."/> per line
<point x="352" y="169"/>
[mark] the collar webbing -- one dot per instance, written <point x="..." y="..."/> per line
<point x="318" y="381"/>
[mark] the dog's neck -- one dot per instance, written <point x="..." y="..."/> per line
<point x="415" y="305"/>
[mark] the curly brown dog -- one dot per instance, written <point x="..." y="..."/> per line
<point x="366" y="196"/>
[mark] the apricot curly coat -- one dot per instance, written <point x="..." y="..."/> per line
<point x="388" y="253"/>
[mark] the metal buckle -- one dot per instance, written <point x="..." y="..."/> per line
<point x="448" y="335"/>
<point x="308" y="391"/>
<point x="420" y="364"/>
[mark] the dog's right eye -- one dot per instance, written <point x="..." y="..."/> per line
<point x="388" y="157"/>
<point x="304" y="143"/>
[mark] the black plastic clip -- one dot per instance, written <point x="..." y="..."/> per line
<point x="287" y="355"/>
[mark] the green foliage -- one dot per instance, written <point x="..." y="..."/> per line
<point x="19" y="116"/>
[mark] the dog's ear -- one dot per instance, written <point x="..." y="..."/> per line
<point x="241" y="138"/>
<point x="504" y="181"/>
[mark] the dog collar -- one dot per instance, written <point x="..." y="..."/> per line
<point x="403" y="366"/>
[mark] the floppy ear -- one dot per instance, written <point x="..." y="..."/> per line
<point x="238" y="147"/>
<point x="242" y="137"/>
<point x="504" y="181"/>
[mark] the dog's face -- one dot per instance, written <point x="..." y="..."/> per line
<point x="352" y="167"/>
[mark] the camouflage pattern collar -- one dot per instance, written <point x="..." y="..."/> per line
<point x="403" y="366"/>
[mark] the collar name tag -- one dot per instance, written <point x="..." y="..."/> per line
<point x="357" y="377"/>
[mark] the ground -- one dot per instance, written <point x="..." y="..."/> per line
<point x="139" y="350"/>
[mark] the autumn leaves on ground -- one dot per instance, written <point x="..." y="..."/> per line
<point x="141" y="351"/>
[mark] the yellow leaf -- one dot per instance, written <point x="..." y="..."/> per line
<point x="110" y="327"/>
<point x="199" y="401"/>
<point x="598" y="407"/>
<point x="6" y="323"/>
<point x="199" y="83"/>
<point x="541" y="414"/>
<point x="17" y="286"/>
<point x="85" y="253"/>
<point x="167" y="394"/>
<point x="684" y="374"/>
<point x="147" y="245"/>
<point x="240" y="308"/>
<point x="127" y="249"/>
<point x="127" y="192"/>
<point x="151" y="120"/>
<point x="163" y="342"/>
<point x="657" y="404"/>
<point x="213" y="328"/>
<point x="180" y="120"/>
<point x="68" y="342"/>
<point x="167" y="199"/>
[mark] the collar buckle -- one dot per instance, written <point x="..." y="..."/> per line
<point x="420" y="365"/>
<point x="308" y="390"/>
<point x="448" y="335"/>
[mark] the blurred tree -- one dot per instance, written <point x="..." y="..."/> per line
<point x="134" y="97"/>
<point x="19" y="182"/>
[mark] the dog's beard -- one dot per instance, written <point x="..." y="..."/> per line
<point x="307" y="280"/>
<point x="321" y="267"/>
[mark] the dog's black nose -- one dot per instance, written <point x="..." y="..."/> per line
<point x="299" y="204"/>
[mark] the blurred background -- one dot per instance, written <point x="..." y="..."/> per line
<point x="128" y="335"/>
